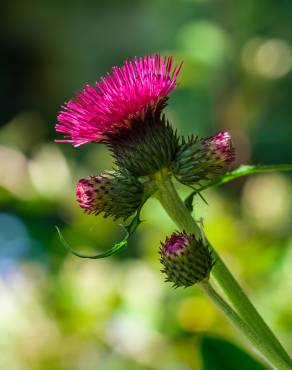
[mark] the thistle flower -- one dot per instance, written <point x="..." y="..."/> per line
<point x="98" y="112"/>
<point x="203" y="159"/>
<point x="111" y="193"/>
<point x="186" y="261"/>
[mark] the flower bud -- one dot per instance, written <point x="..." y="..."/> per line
<point x="186" y="261"/>
<point x="203" y="159"/>
<point x="112" y="193"/>
<point x="219" y="149"/>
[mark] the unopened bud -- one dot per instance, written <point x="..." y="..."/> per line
<point x="111" y="193"/>
<point x="186" y="261"/>
<point x="199" y="160"/>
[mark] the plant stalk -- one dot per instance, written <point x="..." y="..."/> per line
<point x="175" y="207"/>
<point x="241" y="325"/>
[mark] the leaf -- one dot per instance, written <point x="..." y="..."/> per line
<point x="232" y="175"/>
<point x="130" y="229"/>
<point x="189" y="201"/>
<point x="218" y="354"/>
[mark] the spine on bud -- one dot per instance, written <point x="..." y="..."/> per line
<point x="114" y="194"/>
<point x="185" y="261"/>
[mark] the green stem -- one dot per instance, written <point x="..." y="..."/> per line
<point x="241" y="325"/>
<point x="244" y="306"/>
<point x="244" y="170"/>
<point x="176" y="209"/>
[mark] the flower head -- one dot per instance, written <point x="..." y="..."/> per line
<point x="186" y="261"/>
<point x="111" y="193"/>
<point x="129" y="92"/>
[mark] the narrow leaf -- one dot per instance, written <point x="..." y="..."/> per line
<point x="189" y="201"/>
<point x="243" y="170"/>
<point x="130" y="229"/>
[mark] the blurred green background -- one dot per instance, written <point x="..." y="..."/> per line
<point x="58" y="312"/>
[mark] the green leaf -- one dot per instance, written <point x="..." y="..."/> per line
<point x="130" y="229"/>
<point x="189" y="201"/>
<point x="218" y="354"/>
<point x="232" y="175"/>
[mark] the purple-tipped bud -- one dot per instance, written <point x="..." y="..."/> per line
<point x="87" y="190"/>
<point x="199" y="160"/>
<point x="219" y="149"/>
<point x="186" y="261"/>
<point x="114" y="194"/>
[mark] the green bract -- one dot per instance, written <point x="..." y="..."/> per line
<point x="147" y="147"/>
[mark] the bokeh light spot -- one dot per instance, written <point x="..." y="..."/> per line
<point x="204" y="41"/>
<point x="266" y="201"/>
<point x="196" y="314"/>
<point x="269" y="58"/>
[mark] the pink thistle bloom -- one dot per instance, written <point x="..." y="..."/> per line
<point x="219" y="148"/>
<point x="112" y="103"/>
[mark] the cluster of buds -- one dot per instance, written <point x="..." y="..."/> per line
<point x="125" y="111"/>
